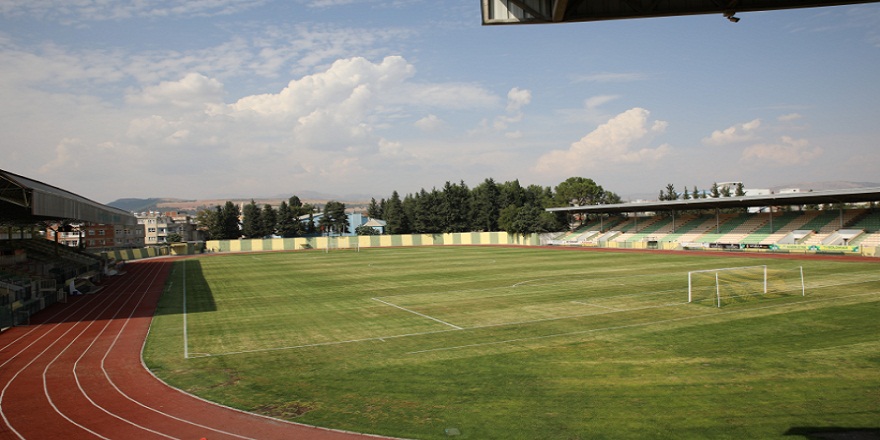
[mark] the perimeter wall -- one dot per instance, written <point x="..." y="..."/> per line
<point x="369" y="241"/>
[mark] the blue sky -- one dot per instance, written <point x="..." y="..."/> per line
<point x="256" y="98"/>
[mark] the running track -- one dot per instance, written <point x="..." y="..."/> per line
<point x="76" y="373"/>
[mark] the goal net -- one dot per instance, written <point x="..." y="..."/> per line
<point x="731" y="285"/>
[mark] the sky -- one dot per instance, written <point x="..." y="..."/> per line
<point x="260" y="98"/>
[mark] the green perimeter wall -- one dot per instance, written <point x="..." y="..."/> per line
<point x="368" y="241"/>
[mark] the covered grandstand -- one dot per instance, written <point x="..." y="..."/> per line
<point x="849" y="224"/>
<point x="36" y="272"/>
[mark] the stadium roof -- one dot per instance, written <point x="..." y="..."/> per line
<point x="564" y="11"/>
<point x="858" y="195"/>
<point x="27" y="201"/>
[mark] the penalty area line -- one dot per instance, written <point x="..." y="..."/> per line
<point x="417" y="313"/>
<point x="629" y="326"/>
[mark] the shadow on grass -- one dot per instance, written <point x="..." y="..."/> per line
<point x="834" y="433"/>
<point x="188" y="280"/>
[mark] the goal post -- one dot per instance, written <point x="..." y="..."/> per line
<point x="742" y="284"/>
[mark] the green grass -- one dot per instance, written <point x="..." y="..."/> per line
<point x="515" y="343"/>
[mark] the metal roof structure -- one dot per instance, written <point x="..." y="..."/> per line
<point x="497" y="12"/>
<point x="857" y="195"/>
<point x="27" y="201"/>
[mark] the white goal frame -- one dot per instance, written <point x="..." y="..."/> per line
<point x="717" y="284"/>
<point x="724" y="269"/>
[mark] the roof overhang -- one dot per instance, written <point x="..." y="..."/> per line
<point x="857" y="195"/>
<point x="26" y="201"/>
<point x="497" y="12"/>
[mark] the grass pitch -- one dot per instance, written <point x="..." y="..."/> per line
<point x="517" y="343"/>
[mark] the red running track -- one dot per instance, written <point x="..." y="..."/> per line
<point x="76" y="373"/>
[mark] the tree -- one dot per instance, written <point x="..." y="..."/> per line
<point x="671" y="194"/>
<point x="286" y="225"/>
<point x="740" y="191"/>
<point x="373" y="210"/>
<point x="507" y="217"/>
<point x="427" y="216"/>
<point x="229" y="221"/>
<point x="394" y="216"/>
<point x="511" y="193"/>
<point x="579" y="191"/>
<point x="269" y="219"/>
<point x="174" y="238"/>
<point x="714" y="192"/>
<point x="208" y="221"/>
<point x="455" y="208"/>
<point x="251" y="223"/>
<point x="334" y="219"/>
<point x="366" y="230"/>
<point x="725" y="192"/>
<point x="485" y="206"/>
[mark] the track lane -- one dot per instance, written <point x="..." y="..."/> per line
<point x="77" y="373"/>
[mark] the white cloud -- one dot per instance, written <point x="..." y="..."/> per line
<point x="517" y="99"/>
<point x="789" y="117"/>
<point x="192" y="91"/>
<point x="606" y="77"/>
<point x="430" y="123"/>
<point x="735" y="134"/>
<point x="69" y="12"/>
<point x="598" y="101"/>
<point x="620" y="140"/>
<point x="788" y="151"/>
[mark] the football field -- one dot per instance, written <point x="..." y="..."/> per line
<point x="504" y="343"/>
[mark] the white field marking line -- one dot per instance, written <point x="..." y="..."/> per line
<point x="526" y="281"/>
<point x="353" y="341"/>
<point x="104" y="299"/>
<point x="121" y="393"/>
<point x="185" y="334"/>
<point x="79" y="384"/>
<point x="324" y="344"/>
<point x="407" y="335"/>
<point x="596" y="305"/>
<point x="417" y="313"/>
<point x="620" y="327"/>
<point x="834" y="347"/>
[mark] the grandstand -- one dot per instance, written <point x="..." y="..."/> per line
<point x="36" y="272"/>
<point x="852" y="227"/>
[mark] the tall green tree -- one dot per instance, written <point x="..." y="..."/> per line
<point x="740" y="190"/>
<point x="373" y="210"/>
<point x="334" y="220"/>
<point x="485" y="205"/>
<point x="714" y="192"/>
<point x="269" y="219"/>
<point x="208" y="221"/>
<point x="395" y="218"/>
<point x="670" y="194"/>
<point x="229" y="220"/>
<point x="252" y="222"/>
<point x="287" y="225"/>
<point x="511" y="193"/>
<point x="427" y="216"/>
<point x="455" y="207"/>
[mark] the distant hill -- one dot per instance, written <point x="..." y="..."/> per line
<point x="193" y="206"/>
<point x="141" y="205"/>
<point x="826" y="186"/>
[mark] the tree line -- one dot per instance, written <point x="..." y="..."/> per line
<point x="487" y="207"/>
